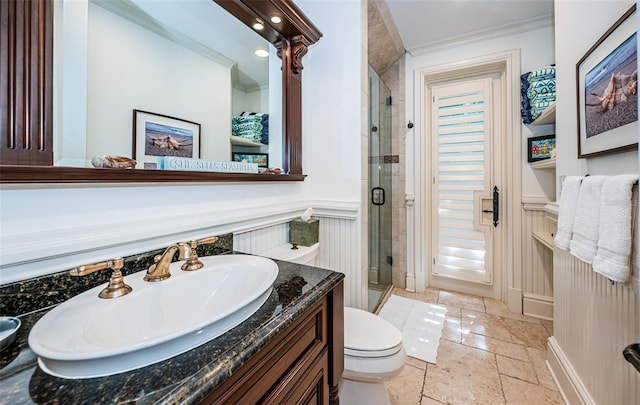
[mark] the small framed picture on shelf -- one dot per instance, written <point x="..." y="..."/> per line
<point x="262" y="159"/>
<point x="541" y="147"/>
<point x="156" y="135"/>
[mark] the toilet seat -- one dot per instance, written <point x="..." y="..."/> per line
<point x="368" y="335"/>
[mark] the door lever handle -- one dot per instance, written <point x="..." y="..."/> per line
<point x="496" y="206"/>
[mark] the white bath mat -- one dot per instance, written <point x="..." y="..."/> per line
<point x="420" y="322"/>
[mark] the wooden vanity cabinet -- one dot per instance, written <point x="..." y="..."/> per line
<point x="300" y="366"/>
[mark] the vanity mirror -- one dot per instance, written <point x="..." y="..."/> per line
<point x="27" y="124"/>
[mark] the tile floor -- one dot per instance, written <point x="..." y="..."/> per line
<point x="487" y="355"/>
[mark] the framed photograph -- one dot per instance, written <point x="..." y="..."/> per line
<point x="157" y="135"/>
<point x="607" y="91"/>
<point x="541" y="147"/>
<point x="262" y="159"/>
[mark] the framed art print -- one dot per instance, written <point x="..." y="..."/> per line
<point x="540" y="147"/>
<point x="607" y="96"/>
<point x="156" y="135"/>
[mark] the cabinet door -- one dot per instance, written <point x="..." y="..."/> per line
<point x="274" y="373"/>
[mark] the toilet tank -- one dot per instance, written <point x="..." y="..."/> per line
<point x="306" y="255"/>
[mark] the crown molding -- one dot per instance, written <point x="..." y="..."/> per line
<point x="521" y="26"/>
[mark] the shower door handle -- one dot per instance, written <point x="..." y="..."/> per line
<point x="377" y="196"/>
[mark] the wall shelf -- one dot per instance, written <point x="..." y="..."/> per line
<point x="236" y="140"/>
<point x="546" y="164"/>
<point x="546" y="238"/>
<point x="548" y="116"/>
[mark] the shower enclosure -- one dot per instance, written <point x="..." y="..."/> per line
<point x="380" y="241"/>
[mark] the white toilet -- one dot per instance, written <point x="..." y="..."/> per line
<point x="373" y="349"/>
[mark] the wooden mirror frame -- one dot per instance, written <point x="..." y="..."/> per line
<point x="26" y="124"/>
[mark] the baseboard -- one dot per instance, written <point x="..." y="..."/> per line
<point x="514" y="300"/>
<point x="568" y="382"/>
<point x="411" y="283"/>
<point x="537" y="306"/>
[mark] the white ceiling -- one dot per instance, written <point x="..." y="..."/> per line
<point x="425" y="24"/>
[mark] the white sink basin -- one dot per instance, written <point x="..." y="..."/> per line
<point x="88" y="337"/>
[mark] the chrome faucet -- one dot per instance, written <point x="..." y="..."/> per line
<point x="160" y="269"/>
<point x="187" y="251"/>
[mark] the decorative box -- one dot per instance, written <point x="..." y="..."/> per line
<point x="304" y="233"/>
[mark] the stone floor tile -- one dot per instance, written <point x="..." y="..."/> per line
<point x="532" y="335"/>
<point x="463" y="375"/>
<point x="461" y="300"/>
<point x="406" y="387"/>
<point x="548" y="325"/>
<point x="401" y="292"/>
<point x="430" y="401"/>
<point x="452" y="311"/>
<point x="497" y="346"/>
<point x="452" y="329"/>
<point x="417" y="363"/>
<point x="495" y="307"/>
<point x="430" y="297"/>
<point x="522" y="370"/>
<point x="538" y="359"/>
<point x="518" y="392"/>
<point x="488" y="325"/>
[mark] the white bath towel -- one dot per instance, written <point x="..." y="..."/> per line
<point x="613" y="259"/>
<point x="568" y="200"/>
<point x="584" y="241"/>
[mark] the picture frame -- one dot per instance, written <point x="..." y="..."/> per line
<point x="262" y="159"/>
<point x="156" y="135"/>
<point x="607" y="98"/>
<point x="540" y="147"/>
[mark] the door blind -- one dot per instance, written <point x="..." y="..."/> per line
<point x="460" y="124"/>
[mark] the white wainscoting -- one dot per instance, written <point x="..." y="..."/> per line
<point x="29" y="255"/>
<point x="339" y="243"/>
<point x="594" y="321"/>
<point x="537" y="259"/>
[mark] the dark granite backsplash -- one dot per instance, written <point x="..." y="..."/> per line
<point x="26" y="296"/>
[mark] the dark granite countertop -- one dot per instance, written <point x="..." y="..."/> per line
<point x="183" y="379"/>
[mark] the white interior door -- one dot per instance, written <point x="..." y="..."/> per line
<point x="463" y="199"/>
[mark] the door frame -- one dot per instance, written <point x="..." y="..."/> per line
<point x="418" y="201"/>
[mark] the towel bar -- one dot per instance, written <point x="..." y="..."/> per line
<point x="632" y="354"/>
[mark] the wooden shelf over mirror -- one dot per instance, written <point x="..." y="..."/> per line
<point x="27" y="119"/>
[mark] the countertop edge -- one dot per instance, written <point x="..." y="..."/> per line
<point x="206" y="381"/>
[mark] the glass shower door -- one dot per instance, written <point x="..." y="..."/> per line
<point x="380" y="236"/>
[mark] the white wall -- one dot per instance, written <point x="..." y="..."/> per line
<point x="536" y="50"/>
<point x="579" y="26"/>
<point x="331" y="96"/>
<point x="109" y="217"/>
<point x="250" y="101"/>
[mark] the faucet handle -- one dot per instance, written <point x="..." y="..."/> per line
<point x="193" y="263"/>
<point x="116" y="287"/>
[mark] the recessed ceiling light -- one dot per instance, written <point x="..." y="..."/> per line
<point x="275" y="19"/>
<point x="258" y="25"/>
<point x="261" y="52"/>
